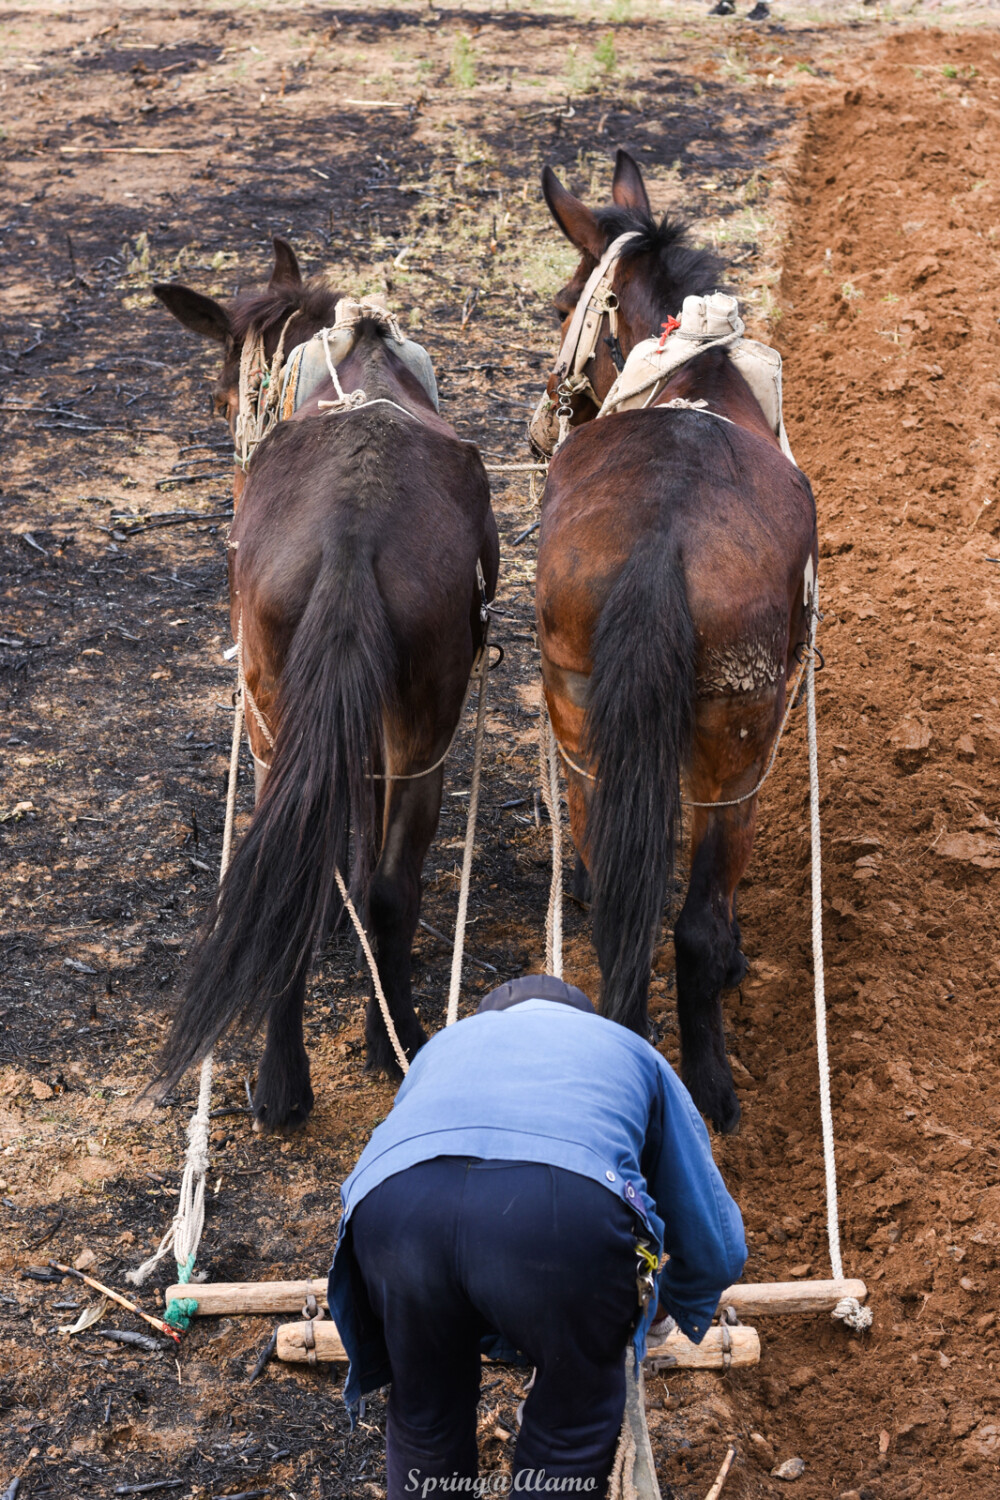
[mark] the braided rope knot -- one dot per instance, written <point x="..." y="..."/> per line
<point x="344" y="402"/>
<point x="850" y="1312"/>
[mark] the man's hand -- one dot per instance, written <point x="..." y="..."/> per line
<point x="661" y="1328"/>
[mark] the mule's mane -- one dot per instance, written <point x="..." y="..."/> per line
<point x="682" y="269"/>
<point x="261" y="311"/>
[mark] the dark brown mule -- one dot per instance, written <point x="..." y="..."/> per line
<point x="670" y="607"/>
<point x="353" y="568"/>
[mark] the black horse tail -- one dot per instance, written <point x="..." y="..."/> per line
<point x="280" y="897"/>
<point x="639" y="724"/>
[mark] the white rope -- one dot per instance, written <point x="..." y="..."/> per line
<point x="553" y="806"/>
<point x="383" y="1003"/>
<point x="849" y="1310"/>
<point x="184" y="1235"/>
<point x="470" y="841"/>
<point x="259" y="392"/>
<point x="344" y="402"/>
<point x="621" y="1482"/>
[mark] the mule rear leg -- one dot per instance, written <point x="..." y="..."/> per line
<point x="393" y="908"/>
<point x="283" y="1098"/>
<point x="709" y="960"/>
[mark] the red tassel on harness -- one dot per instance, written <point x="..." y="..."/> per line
<point x="668" y="328"/>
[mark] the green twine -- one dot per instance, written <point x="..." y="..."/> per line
<point x="180" y="1312"/>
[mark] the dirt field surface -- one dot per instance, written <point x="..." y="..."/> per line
<point x="843" y="158"/>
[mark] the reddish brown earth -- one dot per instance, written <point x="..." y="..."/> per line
<point x="868" y="140"/>
<point x="890" y="333"/>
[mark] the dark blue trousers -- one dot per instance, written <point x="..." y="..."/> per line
<point x="454" y="1249"/>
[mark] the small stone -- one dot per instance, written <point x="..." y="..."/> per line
<point x="965" y="747"/>
<point x="802" y="1270"/>
<point x="850" y="1495"/>
<point x="85" y="1260"/>
<point x="883" y="1441"/>
<point x="792" y="1468"/>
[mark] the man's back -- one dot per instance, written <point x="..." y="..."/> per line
<point x="544" y="1083"/>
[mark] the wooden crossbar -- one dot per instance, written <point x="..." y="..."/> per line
<point x="763" y="1299"/>
<point x="316" y="1341"/>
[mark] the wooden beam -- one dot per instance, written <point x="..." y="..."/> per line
<point x="750" y="1301"/>
<point x="675" y="1352"/>
<point x="318" y="1339"/>
<point x="771" y="1298"/>
<point x="216" y="1298"/>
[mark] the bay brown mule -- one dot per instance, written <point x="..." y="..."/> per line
<point x="353" y="569"/>
<point x="670" y="607"/>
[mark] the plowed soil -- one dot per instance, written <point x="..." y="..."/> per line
<point x="845" y="164"/>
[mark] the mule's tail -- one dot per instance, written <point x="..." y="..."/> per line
<point x="639" y="723"/>
<point x="280" y="895"/>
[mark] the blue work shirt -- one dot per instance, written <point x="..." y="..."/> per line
<point x="542" y="1082"/>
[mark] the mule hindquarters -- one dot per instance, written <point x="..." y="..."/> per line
<point x="428" y="577"/>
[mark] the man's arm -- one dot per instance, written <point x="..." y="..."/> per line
<point x="703" y="1233"/>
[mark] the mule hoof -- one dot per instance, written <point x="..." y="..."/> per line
<point x="273" y="1121"/>
<point x="737" y="972"/>
<point x="281" y="1101"/>
<point x="717" y="1101"/>
<point x="381" y="1055"/>
<point x="726" y="1119"/>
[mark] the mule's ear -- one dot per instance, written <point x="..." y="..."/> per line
<point x="199" y="313"/>
<point x="574" y="218"/>
<point x="286" y="268"/>
<point x="627" y="188"/>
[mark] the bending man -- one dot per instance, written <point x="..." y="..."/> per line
<point x="537" y="1163"/>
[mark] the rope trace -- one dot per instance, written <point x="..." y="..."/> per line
<point x="848" y="1310"/>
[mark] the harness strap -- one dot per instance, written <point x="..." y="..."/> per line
<point x="596" y="299"/>
<point x="478" y="667"/>
<point x="809" y="652"/>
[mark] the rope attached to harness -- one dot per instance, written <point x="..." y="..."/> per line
<point x="184" y="1235"/>
<point x="849" y="1310"/>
